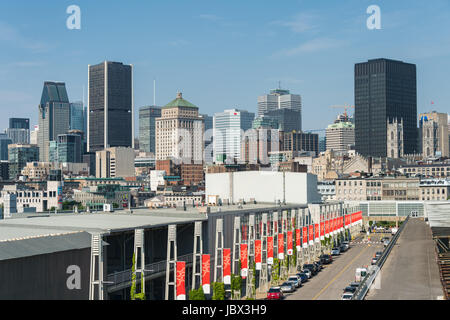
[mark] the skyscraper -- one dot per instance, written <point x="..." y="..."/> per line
<point x="147" y="129"/>
<point x="384" y="90"/>
<point x="229" y="129"/>
<point x="340" y="135"/>
<point x="5" y="141"/>
<point x="54" y="116"/>
<point x="288" y="120"/>
<point x="179" y="132"/>
<point x="77" y="115"/>
<point x="110" y="106"/>
<point x="19" y="123"/>
<point x="70" y="147"/>
<point x="280" y="99"/>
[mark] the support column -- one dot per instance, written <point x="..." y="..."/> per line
<point x="139" y="254"/>
<point x="96" y="275"/>
<point x="198" y="251"/>
<point x="236" y="243"/>
<point x="251" y="256"/>
<point x="171" y="261"/>
<point x="218" y="254"/>
<point x="263" y="279"/>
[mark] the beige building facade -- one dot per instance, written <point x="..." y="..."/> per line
<point x="179" y="132"/>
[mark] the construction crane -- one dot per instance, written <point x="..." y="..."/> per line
<point x="345" y="108"/>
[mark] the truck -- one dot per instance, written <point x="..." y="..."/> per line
<point x="360" y="274"/>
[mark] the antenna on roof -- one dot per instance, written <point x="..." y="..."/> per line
<point x="154" y="92"/>
<point x="279" y="84"/>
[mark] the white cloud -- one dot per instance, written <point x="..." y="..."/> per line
<point x="210" y="17"/>
<point x="13" y="37"/>
<point x="315" y="45"/>
<point x="300" y="23"/>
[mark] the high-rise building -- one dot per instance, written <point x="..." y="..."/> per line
<point x="117" y="162"/>
<point x="208" y="138"/>
<point x="110" y="106"/>
<point x="147" y="129"/>
<point x="281" y="99"/>
<point x="229" y="129"/>
<point x="288" y="120"/>
<point x="433" y="134"/>
<point x="77" y="116"/>
<point x="19" y="123"/>
<point x="19" y="156"/>
<point x="34" y="135"/>
<point x="179" y="132"/>
<point x="384" y="90"/>
<point x="340" y="135"/>
<point x="5" y="141"/>
<point x="70" y="148"/>
<point x="19" y="130"/>
<point x="295" y="142"/>
<point x="54" y="116"/>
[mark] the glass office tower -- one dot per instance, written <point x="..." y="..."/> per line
<point x="147" y="129"/>
<point x="385" y="90"/>
<point x="110" y="106"/>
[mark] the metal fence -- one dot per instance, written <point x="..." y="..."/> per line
<point x="367" y="282"/>
<point x="124" y="277"/>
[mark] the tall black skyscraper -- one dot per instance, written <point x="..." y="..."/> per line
<point x="111" y="106"/>
<point x="384" y="90"/>
<point x="19" y="123"/>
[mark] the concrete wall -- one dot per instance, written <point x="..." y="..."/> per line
<point x="263" y="186"/>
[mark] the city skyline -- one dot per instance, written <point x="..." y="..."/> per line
<point x="181" y="59"/>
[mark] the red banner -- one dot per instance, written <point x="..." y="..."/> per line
<point x="206" y="275"/>
<point x="258" y="255"/>
<point x="227" y="266"/>
<point x="311" y="234"/>
<point x="298" y="243"/>
<point x="290" y="243"/>
<point x="270" y="250"/>
<point x="322" y="230"/>
<point x="244" y="260"/>
<point x="280" y="246"/>
<point x="317" y="232"/>
<point x="181" y="278"/>
<point x="305" y="235"/>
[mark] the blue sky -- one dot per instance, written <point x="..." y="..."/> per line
<point x="221" y="54"/>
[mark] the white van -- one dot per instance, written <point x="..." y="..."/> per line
<point x="360" y="274"/>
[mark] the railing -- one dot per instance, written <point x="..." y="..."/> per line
<point x="124" y="277"/>
<point x="368" y="280"/>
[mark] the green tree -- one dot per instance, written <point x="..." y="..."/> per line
<point x="133" y="294"/>
<point x="218" y="291"/>
<point x="197" y="294"/>
<point x="236" y="285"/>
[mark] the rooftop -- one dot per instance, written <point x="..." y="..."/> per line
<point x="180" y="102"/>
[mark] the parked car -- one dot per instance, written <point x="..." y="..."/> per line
<point x="350" y="289"/>
<point x="386" y="243"/>
<point x="343" y="247"/>
<point x="374" y="261"/>
<point x="303" y="277"/>
<point x="318" y="265"/>
<point x="275" y="293"/>
<point x="347" y="296"/>
<point x="287" y="287"/>
<point x="326" y="259"/>
<point x="297" y="283"/>
<point x="335" y="252"/>
<point x="308" y="273"/>
<point x="354" y="284"/>
<point x="378" y="254"/>
<point x="311" y="267"/>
